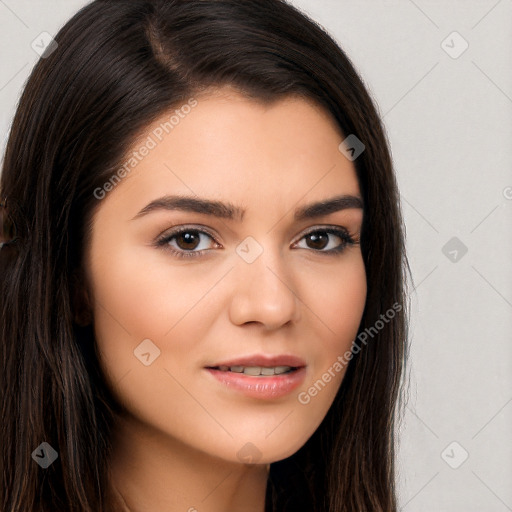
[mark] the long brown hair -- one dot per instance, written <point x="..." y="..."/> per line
<point x="119" y="65"/>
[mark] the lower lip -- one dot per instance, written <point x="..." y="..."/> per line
<point x="270" y="387"/>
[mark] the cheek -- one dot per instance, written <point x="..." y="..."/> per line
<point x="347" y="309"/>
<point x="140" y="295"/>
<point x="145" y="293"/>
<point x="338" y="299"/>
<point x="336" y="305"/>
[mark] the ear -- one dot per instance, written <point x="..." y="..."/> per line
<point x="81" y="303"/>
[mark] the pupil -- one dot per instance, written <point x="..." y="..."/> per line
<point x="315" y="238"/>
<point x="189" y="239"/>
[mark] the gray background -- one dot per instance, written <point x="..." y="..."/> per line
<point x="449" y="123"/>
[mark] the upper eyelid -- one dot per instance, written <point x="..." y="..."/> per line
<point x="176" y="230"/>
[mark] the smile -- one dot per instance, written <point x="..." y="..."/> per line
<point x="256" y="370"/>
<point x="259" y="382"/>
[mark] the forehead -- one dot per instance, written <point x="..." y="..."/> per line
<point x="224" y="145"/>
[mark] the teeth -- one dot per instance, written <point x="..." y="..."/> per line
<point x="252" y="370"/>
<point x="256" y="370"/>
<point x="281" y="369"/>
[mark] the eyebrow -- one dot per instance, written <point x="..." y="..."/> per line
<point x="232" y="212"/>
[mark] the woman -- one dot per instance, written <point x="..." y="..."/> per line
<point x="203" y="269"/>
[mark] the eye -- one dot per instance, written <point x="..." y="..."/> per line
<point x="184" y="241"/>
<point x="324" y="240"/>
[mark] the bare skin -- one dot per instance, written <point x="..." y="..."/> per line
<point x="187" y="441"/>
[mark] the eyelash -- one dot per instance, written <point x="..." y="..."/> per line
<point x="164" y="240"/>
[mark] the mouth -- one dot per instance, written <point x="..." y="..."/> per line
<point x="256" y="371"/>
<point x="260" y="364"/>
<point x="260" y="377"/>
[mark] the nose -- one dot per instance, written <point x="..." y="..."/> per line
<point x="264" y="292"/>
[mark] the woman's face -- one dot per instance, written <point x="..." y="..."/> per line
<point x="170" y="307"/>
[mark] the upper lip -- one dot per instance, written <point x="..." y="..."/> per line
<point x="263" y="360"/>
